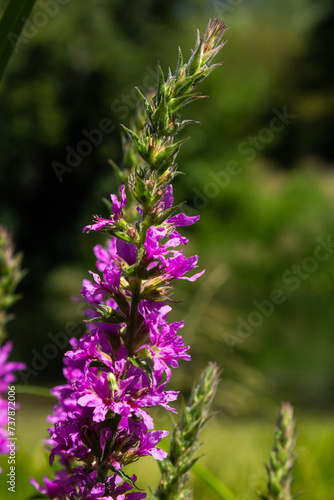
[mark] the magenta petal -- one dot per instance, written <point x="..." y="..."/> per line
<point x="183" y="220"/>
<point x="168" y="198"/>
<point x="87" y="400"/>
<point x="118" y="205"/>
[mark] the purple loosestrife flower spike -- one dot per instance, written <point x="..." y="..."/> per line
<point x="10" y="274"/>
<point x="119" y="369"/>
<point x="7" y="377"/>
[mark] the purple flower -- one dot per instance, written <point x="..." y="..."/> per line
<point x="148" y="443"/>
<point x="105" y="224"/>
<point x="167" y="201"/>
<point x="119" y="369"/>
<point x="83" y="485"/>
<point x="118" y="205"/>
<point x="183" y="220"/>
<point x="105" y="385"/>
<point x="177" y="265"/>
<point x="105" y="255"/>
<point x="166" y="347"/>
<point x="118" y="250"/>
<point x="7" y="367"/>
<point x="169" y="263"/>
<point x="109" y="284"/>
<point x="179" y="219"/>
<point x="7" y="377"/>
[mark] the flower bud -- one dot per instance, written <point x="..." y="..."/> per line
<point x="112" y="382"/>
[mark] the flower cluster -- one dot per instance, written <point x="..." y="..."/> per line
<point x="10" y="275"/>
<point x="113" y="376"/>
<point x="119" y="369"/>
<point x="7" y="377"/>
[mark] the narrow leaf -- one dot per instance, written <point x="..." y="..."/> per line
<point x="161" y="83"/>
<point x="147" y="105"/>
<point x="141" y="148"/>
<point x="217" y="486"/>
<point x="35" y="390"/>
<point x="178" y="102"/>
<point x="11" y="26"/>
<point x="126" y="478"/>
<point x="179" y="63"/>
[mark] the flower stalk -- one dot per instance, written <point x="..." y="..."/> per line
<point x="282" y="456"/>
<point x="120" y="367"/>
<point x="185" y="438"/>
<point x="10" y="275"/>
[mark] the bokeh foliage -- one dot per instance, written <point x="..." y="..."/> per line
<point x="81" y="68"/>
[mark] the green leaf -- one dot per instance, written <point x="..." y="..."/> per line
<point x="184" y="84"/>
<point x="145" y="364"/>
<point x="166" y="153"/>
<point x="214" y="483"/>
<point x="178" y="102"/>
<point x="138" y="142"/>
<point x="147" y="105"/>
<point x="11" y="25"/>
<point x="195" y="60"/>
<point x="126" y="478"/>
<point x="161" y="83"/>
<point x="179" y="64"/>
<point x="35" y="390"/>
<point x="108" y="315"/>
<point x="161" y="116"/>
<point x="166" y="214"/>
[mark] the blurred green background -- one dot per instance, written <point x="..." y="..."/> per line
<point x="259" y="171"/>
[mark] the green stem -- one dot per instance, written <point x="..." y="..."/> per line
<point x="143" y="230"/>
<point x="102" y="473"/>
<point x="108" y="446"/>
<point x="133" y="314"/>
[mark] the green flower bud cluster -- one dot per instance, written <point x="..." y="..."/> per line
<point x="153" y="152"/>
<point x="10" y="275"/>
<point x="184" y="442"/>
<point x="282" y="456"/>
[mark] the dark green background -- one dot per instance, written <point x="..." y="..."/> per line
<point x="78" y="70"/>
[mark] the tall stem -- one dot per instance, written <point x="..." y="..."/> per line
<point x="108" y="446"/>
<point x="133" y="314"/>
